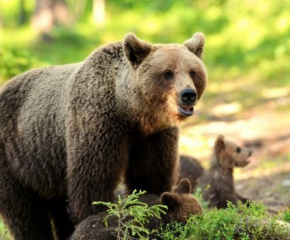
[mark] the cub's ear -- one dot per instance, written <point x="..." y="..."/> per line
<point x="220" y="144"/>
<point x="196" y="44"/>
<point x="184" y="186"/>
<point x="135" y="49"/>
<point x="170" y="200"/>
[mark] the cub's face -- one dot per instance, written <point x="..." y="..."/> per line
<point x="181" y="203"/>
<point x="238" y="154"/>
<point x="169" y="79"/>
<point x="230" y="154"/>
<point x="189" y="206"/>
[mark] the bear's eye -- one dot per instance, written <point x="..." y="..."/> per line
<point x="238" y="149"/>
<point x="168" y="74"/>
<point x="192" y="74"/>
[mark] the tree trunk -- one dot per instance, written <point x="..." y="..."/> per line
<point x="49" y="13"/>
<point x="22" y="12"/>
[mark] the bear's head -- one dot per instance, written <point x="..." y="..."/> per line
<point x="180" y="203"/>
<point x="168" y="79"/>
<point x="230" y="155"/>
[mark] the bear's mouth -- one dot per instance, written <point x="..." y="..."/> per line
<point x="186" y="110"/>
<point x="244" y="163"/>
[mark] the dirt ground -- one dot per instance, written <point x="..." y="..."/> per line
<point x="267" y="178"/>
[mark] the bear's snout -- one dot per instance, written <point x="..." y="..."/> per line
<point x="188" y="96"/>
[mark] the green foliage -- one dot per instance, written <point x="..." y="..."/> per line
<point x="132" y="216"/>
<point x="9" y="11"/>
<point x="15" y="61"/>
<point x="67" y="36"/>
<point x="286" y="216"/>
<point x="240" y="222"/>
<point x="174" y="231"/>
<point x="67" y="45"/>
<point x="242" y="39"/>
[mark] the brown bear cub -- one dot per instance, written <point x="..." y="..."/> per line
<point x="70" y="134"/>
<point x="218" y="181"/>
<point x="180" y="203"/>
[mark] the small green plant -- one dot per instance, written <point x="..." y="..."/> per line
<point x="241" y="222"/>
<point x="132" y="216"/>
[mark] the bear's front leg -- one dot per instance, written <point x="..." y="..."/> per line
<point x="153" y="162"/>
<point x="97" y="158"/>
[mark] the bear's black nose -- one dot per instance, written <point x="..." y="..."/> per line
<point x="188" y="95"/>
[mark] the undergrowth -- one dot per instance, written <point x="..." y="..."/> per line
<point x="241" y="222"/>
<point x="132" y="215"/>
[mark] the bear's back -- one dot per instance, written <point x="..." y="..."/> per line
<point x="34" y="107"/>
<point x="28" y="124"/>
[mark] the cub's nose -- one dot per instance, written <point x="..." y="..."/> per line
<point x="188" y="96"/>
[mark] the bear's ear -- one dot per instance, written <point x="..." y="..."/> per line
<point x="196" y="44"/>
<point x="184" y="187"/>
<point x="135" y="49"/>
<point x="170" y="200"/>
<point x="220" y="144"/>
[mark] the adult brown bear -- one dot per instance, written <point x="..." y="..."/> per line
<point x="69" y="134"/>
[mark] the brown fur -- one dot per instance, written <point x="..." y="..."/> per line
<point x="69" y="134"/>
<point x="218" y="182"/>
<point x="181" y="204"/>
<point x="190" y="168"/>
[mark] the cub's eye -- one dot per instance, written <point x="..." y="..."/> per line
<point x="238" y="149"/>
<point x="168" y="74"/>
<point x="192" y="74"/>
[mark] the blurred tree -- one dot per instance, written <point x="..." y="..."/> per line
<point x="22" y="12"/>
<point x="49" y="13"/>
<point x="99" y="11"/>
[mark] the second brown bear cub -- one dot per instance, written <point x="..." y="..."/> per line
<point x="218" y="182"/>
<point x="180" y="203"/>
